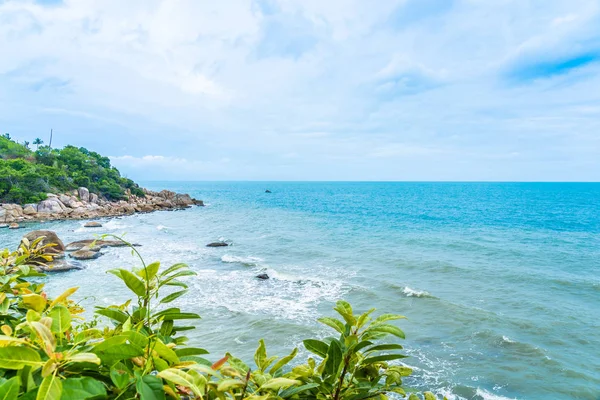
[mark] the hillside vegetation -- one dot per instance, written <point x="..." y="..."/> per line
<point x="26" y="175"/>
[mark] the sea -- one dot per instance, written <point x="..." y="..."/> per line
<point x="500" y="282"/>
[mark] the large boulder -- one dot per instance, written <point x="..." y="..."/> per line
<point x="30" y="209"/>
<point x="183" y="200"/>
<point x="11" y="213"/>
<point x="92" y="224"/>
<point x="49" y="237"/>
<point x="51" y="206"/>
<point x="84" y="194"/>
<point x="94" y="198"/>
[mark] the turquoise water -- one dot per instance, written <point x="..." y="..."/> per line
<point x="500" y="281"/>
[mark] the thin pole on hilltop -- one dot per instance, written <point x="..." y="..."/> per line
<point x="50" y="145"/>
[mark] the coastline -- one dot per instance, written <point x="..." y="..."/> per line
<point x="80" y="204"/>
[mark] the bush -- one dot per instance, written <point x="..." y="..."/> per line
<point x="46" y="352"/>
<point x="26" y="176"/>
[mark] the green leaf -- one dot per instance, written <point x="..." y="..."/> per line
<point x="133" y="282"/>
<point x="387" y="317"/>
<point x="362" y="320"/>
<point x="150" y="271"/>
<point x="361" y="345"/>
<point x="12" y="357"/>
<point x="316" y="346"/>
<point x="173" y="268"/>
<point x="384" y="347"/>
<point x="61" y="319"/>
<point x="228" y="384"/>
<point x="284" y="361"/>
<point x="429" y="396"/>
<point x="298" y="389"/>
<point x="165" y="352"/>
<point x="334" y="359"/>
<point x="84" y="358"/>
<point x="387" y="328"/>
<point x="112" y="313"/>
<point x="386" y="357"/>
<point x="333" y="323"/>
<point x="190" y="351"/>
<point x="119" y="376"/>
<point x="9" y="390"/>
<point x="136" y="338"/>
<point x="279" y="383"/>
<point x="260" y="355"/>
<point x="50" y="388"/>
<point x="182" y="378"/>
<point x="173" y="296"/>
<point x="345" y="310"/>
<point x="82" y="389"/>
<point x="119" y="352"/>
<point x="34" y="302"/>
<point x="150" y="388"/>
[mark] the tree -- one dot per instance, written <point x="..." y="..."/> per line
<point x="7" y="135"/>
<point x="37" y="142"/>
<point x="26" y="144"/>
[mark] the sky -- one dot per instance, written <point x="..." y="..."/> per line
<point x="436" y="90"/>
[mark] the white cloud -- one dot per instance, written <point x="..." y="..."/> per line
<point x="291" y="88"/>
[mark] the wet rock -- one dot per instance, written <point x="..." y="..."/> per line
<point x="217" y="244"/>
<point x="85" y="254"/>
<point x="59" y="266"/>
<point x="14" y="225"/>
<point x="3" y="225"/>
<point x="100" y="243"/>
<point x="268" y="191"/>
<point x="262" y="276"/>
<point x="49" y="237"/>
<point x="93" y="224"/>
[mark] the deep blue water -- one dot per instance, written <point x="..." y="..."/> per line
<point x="500" y="281"/>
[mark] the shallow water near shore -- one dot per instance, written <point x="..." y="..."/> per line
<point x="500" y="281"/>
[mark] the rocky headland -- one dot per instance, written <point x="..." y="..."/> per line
<point x="81" y="204"/>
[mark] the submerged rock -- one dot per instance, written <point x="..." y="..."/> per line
<point x="100" y="243"/>
<point x="262" y="276"/>
<point x="217" y="244"/>
<point x="85" y="254"/>
<point x="93" y="224"/>
<point x="49" y="237"/>
<point x="267" y="191"/>
<point x="59" y="266"/>
<point x="3" y="225"/>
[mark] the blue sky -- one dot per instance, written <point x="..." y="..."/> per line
<point x="310" y="89"/>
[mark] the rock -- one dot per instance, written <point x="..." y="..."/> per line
<point x="262" y="276"/>
<point x="49" y="237"/>
<point x="29" y="210"/>
<point x="198" y="202"/>
<point x="3" y="225"/>
<point x="217" y="244"/>
<point x="100" y="243"/>
<point x="93" y="224"/>
<point x="85" y="254"/>
<point x="59" y="266"/>
<point x="84" y="194"/>
<point x="51" y="206"/>
<point x="93" y="198"/>
<point x="183" y="200"/>
<point x="268" y="191"/>
<point x="14" y="225"/>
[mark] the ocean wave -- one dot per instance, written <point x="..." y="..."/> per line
<point x="410" y="292"/>
<point x="247" y="261"/>
<point x="485" y="395"/>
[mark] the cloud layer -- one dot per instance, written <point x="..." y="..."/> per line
<point x="310" y="89"/>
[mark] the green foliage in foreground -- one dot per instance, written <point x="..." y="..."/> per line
<point x="136" y="351"/>
<point x="26" y="176"/>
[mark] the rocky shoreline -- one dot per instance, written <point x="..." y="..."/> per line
<point x="81" y="204"/>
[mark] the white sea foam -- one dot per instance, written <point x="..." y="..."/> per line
<point x="491" y="396"/>
<point x="506" y="339"/>
<point x="161" y="227"/>
<point x="410" y="292"/>
<point x="250" y="261"/>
